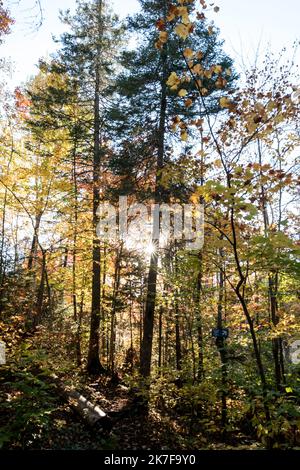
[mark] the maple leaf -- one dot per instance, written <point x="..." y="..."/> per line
<point x="225" y="102"/>
<point x="163" y="36"/>
<point x="218" y="68"/>
<point x="200" y="16"/>
<point x="208" y="74"/>
<point x="198" y="69"/>
<point x="173" y="81"/>
<point x="221" y="82"/>
<point x="22" y="103"/>
<point x="184" y="135"/>
<point x="182" y="92"/>
<point x="182" y="31"/>
<point x="188" y="53"/>
<point x="188" y="103"/>
<point x="173" y="11"/>
<point x="160" y="24"/>
<point x="183" y="12"/>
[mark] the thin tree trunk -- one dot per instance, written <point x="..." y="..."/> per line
<point x="199" y="322"/>
<point x="160" y="339"/>
<point x="114" y="311"/>
<point x="177" y="323"/>
<point x="34" y="243"/>
<point x="243" y="302"/>
<point x="2" y="268"/>
<point x="40" y="294"/>
<point x="273" y="288"/>
<point x="221" y="345"/>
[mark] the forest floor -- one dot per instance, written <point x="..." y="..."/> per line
<point x="34" y="416"/>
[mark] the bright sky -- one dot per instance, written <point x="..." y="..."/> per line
<point x="243" y="24"/>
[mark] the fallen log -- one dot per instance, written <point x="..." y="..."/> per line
<point x="91" y="414"/>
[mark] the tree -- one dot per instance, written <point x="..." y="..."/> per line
<point x="147" y="113"/>
<point x="88" y="53"/>
<point x="258" y="117"/>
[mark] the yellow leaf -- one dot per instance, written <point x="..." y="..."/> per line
<point x="184" y="136"/>
<point x="218" y="69"/>
<point x="224" y="102"/>
<point x="194" y="198"/>
<point x="188" y="53"/>
<point x="163" y="36"/>
<point x="271" y="105"/>
<point x="171" y="17"/>
<point x="197" y="69"/>
<point x="182" y="92"/>
<point x="173" y="81"/>
<point x="183" y="12"/>
<point x="251" y="126"/>
<point x="182" y="31"/>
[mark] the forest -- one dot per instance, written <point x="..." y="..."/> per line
<point x="149" y="243"/>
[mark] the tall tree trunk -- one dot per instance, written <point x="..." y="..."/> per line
<point x="199" y="283"/>
<point x="104" y="319"/>
<point x="146" y="350"/>
<point x="77" y="319"/>
<point x="93" y="362"/>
